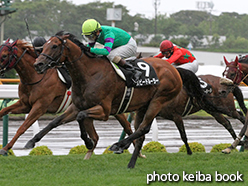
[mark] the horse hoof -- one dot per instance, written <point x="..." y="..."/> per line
<point x="88" y="155"/>
<point x="3" y="152"/>
<point x="115" y="148"/>
<point x="226" y="151"/>
<point x="189" y="153"/>
<point x="119" y="152"/>
<point x="130" y="166"/>
<point x="142" y="156"/>
<point x="29" y="145"/>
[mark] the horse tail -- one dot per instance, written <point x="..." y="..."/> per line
<point x="191" y="83"/>
<point x="240" y="98"/>
<point x="193" y="88"/>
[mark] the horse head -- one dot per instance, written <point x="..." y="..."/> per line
<point x="55" y="52"/>
<point x="226" y="86"/>
<point x="8" y="56"/>
<point x="233" y="71"/>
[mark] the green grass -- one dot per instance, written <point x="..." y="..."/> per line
<point x="111" y="169"/>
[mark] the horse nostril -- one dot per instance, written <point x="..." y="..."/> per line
<point x="38" y="66"/>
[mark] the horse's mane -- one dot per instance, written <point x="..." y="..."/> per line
<point x="74" y="39"/>
<point x="71" y="37"/>
<point x="25" y="45"/>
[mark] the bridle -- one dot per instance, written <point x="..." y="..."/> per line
<point x="238" y="73"/>
<point x="54" y="61"/>
<point x="12" y="62"/>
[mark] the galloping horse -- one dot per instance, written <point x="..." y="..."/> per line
<point x="237" y="72"/>
<point x="97" y="90"/>
<point x="38" y="93"/>
<point x="184" y="105"/>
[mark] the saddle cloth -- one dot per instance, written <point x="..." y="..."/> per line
<point x="148" y="76"/>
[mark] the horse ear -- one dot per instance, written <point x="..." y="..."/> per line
<point x="7" y="41"/>
<point x="14" y="43"/>
<point x="236" y="60"/>
<point x="226" y="60"/>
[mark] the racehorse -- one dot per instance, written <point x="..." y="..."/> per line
<point x="184" y="105"/>
<point x="97" y="90"/>
<point x="237" y="72"/>
<point x="38" y="93"/>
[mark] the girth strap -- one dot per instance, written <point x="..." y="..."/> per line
<point x="127" y="96"/>
<point x="188" y="107"/>
<point x="66" y="101"/>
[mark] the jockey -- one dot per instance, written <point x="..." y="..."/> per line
<point x="178" y="56"/>
<point x="38" y="44"/>
<point x="118" y="44"/>
<point x="181" y="57"/>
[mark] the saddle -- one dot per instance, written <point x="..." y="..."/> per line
<point x="64" y="76"/>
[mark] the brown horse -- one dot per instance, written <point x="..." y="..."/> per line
<point x="184" y="105"/>
<point x="38" y="93"/>
<point x="97" y="90"/>
<point x="237" y="72"/>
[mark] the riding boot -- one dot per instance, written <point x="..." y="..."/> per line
<point x="128" y="66"/>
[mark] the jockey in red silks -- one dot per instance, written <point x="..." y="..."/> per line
<point x="178" y="56"/>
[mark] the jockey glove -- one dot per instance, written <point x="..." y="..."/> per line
<point x="84" y="48"/>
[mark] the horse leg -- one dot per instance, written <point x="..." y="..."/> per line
<point x="16" y="108"/>
<point x="139" y="141"/>
<point x="180" y="126"/>
<point x="244" y="131"/>
<point x="136" y="152"/>
<point x="124" y="123"/>
<point x="34" y="114"/>
<point x="238" y="116"/>
<point x="240" y="98"/>
<point x="127" y="128"/>
<point x="95" y="112"/>
<point x="82" y="115"/>
<point x="224" y="122"/>
<point x="142" y="129"/>
<point x="90" y="129"/>
<point x="69" y="115"/>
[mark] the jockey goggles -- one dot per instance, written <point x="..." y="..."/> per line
<point x="166" y="52"/>
<point x="90" y="37"/>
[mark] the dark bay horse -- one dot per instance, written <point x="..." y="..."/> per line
<point x="237" y="72"/>
<point x="38" y="93"/>
<point x="97" y="90"/>
<point x="182" y="106"/>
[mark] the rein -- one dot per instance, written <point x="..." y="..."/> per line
<point x="34" y="82"/>
<point x="53" y="61"/>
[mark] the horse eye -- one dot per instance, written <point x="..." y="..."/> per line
<point x="4" y="56"/>
<point x="55" y="46"/>
<point x="232" y="75"/>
